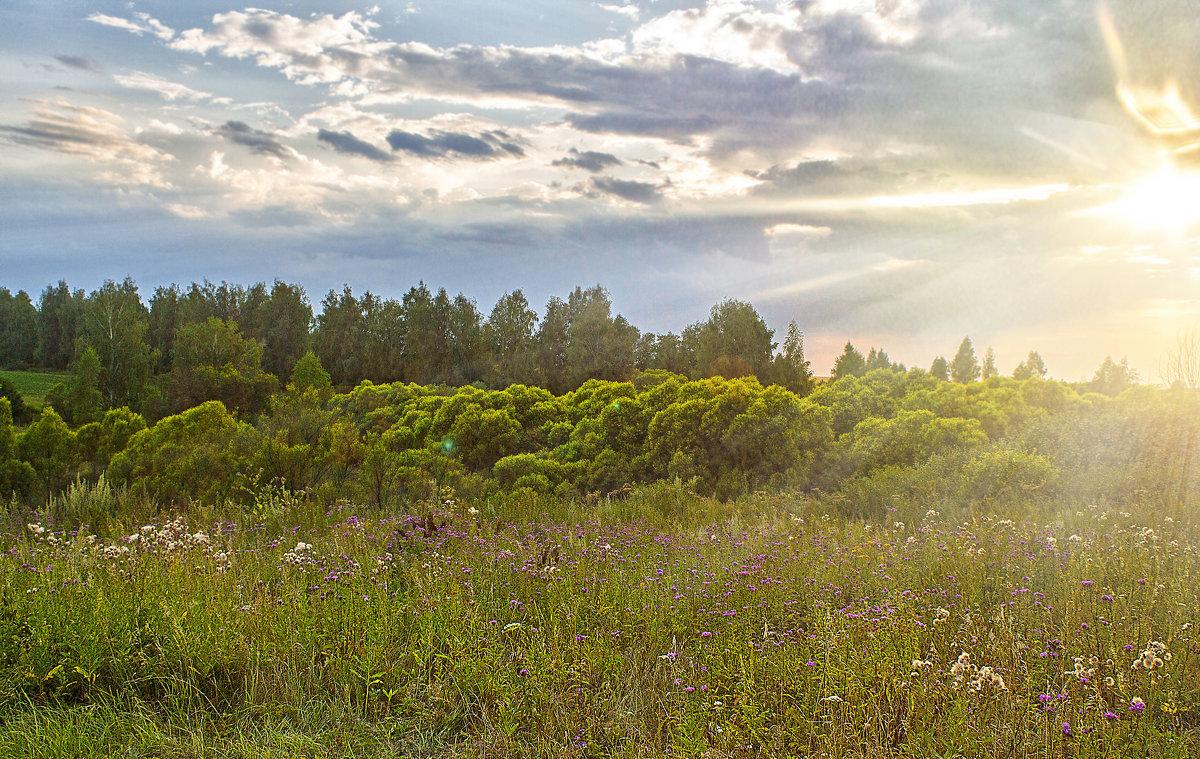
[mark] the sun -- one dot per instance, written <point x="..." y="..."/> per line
<point x="1166" y="201"/>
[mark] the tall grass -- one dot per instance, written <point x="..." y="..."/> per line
<point x="651" y="623"/>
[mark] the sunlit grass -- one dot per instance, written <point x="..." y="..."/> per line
<point x="539" y="628"/>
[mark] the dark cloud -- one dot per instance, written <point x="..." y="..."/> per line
<point x="262" y="143"/>
<point x="589" y="160"/>
<point x="636" y="192"/>
<point x="488" y="145"/>
<point x="344" y="142"/>
<point x="77" y="62"/>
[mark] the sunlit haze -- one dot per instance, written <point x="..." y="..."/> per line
<point x="898" y="173"/>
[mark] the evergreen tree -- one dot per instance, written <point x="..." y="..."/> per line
<point x="509" y="333"/>
<point x="878" y="359"/>
<point x="965" y="367"/>
<point x="940" y="369"/>
<point x="850" y="364"/>
<point x="791" y="369"/>
<point x="1032" y="366"/>
<point x="1113" y="378"/>
<point x="989" y="364"/>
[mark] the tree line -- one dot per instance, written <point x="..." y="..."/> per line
<point x="240" y="344"/>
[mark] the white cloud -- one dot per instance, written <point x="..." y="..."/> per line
<point x="631" y="12"/>
<point x="144" y="25"/>
<point x="170" y="91"/>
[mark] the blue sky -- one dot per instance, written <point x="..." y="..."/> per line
<point x="898" y="173"/>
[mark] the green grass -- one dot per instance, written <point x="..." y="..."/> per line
<point x="33" y="386"/>
<point x="638" y="627"/>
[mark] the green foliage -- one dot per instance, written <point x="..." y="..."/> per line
<point x="201" y="454"/>
<point x="79" y="399"/>
<point x="21" y="413"/>
<point x="965" y="366"/>
<point x="18" y="330"/>
<point x="115" y="325"/>
<point x="1032" y="367"/>
<point x="50" y="447"/>
<point x="309" y="374"/>
<point x="850" y="364"/>
<point x="213" y="361"/>
<point x="940" y="369"/>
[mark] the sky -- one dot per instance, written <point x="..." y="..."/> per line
<point x="897" y="173"/>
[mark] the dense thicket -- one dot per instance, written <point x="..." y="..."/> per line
<point x="862" y="441"/>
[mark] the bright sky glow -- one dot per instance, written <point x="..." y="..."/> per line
<point x="895" y="173"/>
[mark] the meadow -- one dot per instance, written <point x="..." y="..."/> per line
<point x="33" y="386"/>
<point x="651" y="622"/>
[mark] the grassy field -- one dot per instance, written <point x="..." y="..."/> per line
<point x="661" y="624"/>
<point x="33" y="386"/>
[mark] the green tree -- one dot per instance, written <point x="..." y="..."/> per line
<point x="509" y="333"/>
<point x="164" y="321"/>
<point x="1113" y="378"/>
<point x="203" y="454"/>
<point x="17" y="478"/>
<point x="599" y="345"/>
<point x="1032" y="366"/>
<point x="338" y="338"/>
<point x="940" y="369"/>
<point x="79" y="399"/>
<point x="790" y="368"/>
<point x="308" y="373"/>
<point x="60" y="315"/>
<point x="18" y="330"/>
<point x="734" y="342"/>
<point x="965" y="366"/>
<point x="989" y="364"/>
<point x="878" y="359"/>
<point x="20" y="412"/>
<point x="282" y="321"/>
<point x="213" y="361"/>
<point x="115" y="323"/>
<point x="49" y="446"/>
<point x="850" y="364"/>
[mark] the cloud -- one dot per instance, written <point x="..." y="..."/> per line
<point x="589" y="160"/>
<point x="144" y="25"/>
<point x="631" y="12"/>
<point x="635" y="192"/>
<point x="259" y="142"/>
<point x="488" y="145"/>
<point x="344" y="142"/>
<point x="170" y="91"/>
<point x="77" y="62"/>
<point x="95" y="134"/>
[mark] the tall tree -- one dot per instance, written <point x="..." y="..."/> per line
<point x="468" y="360"/>
<point x="599" y="345"/>
<point x="552" y="341"/>
<point x="18" y="330"/>
<point x="164" y="320"/>
<point x="282" y="320"/>
<point x="60" y="312"/>
<point x="1032" y="366"/>
<point x="989" y="364"/>
<point x="338" y="337"/>
<point x="965" y="366"/>
<point x="734" y="342"/>
<point x="115" y="323"/>
<point x="940" y="369"/>
<point x="214" y="361"/>
<point x="510" y="339"/>
<point x="850" y="364"/>
<point x="1113" y="378"/>
<point x="878" y="359"/>
<point x="791" y="369"/>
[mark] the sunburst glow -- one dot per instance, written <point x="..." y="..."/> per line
<point x="1165" y="201"/>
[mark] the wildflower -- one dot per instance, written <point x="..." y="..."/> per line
<point x="36" y="529"/>
<point x="1109" y="716"/>
<point x="1136" y="704"/>
<point x="1066" y="728"/>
